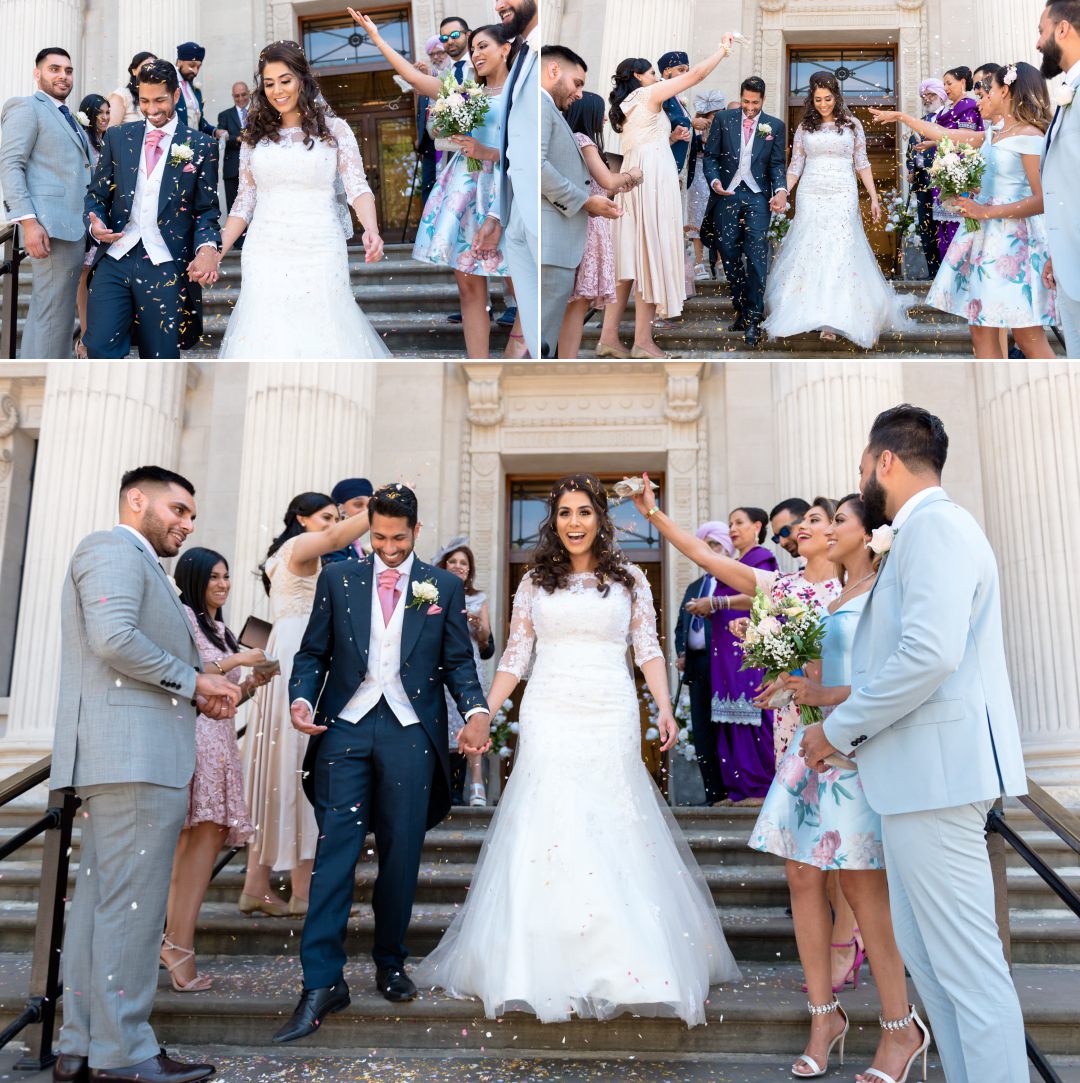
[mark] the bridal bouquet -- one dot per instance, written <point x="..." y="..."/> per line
<point x="459" y="108"/>
<point x="899" y="217"/>
<point x="778" y="228"/>
<point x="958" y="171"/>
<point x="501" y="731"/>
<point x="782" y="637"/>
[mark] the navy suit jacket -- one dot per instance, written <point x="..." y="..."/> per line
<point x="768" y="165"/>
<point x="181" y="110"/>
<point x="682" y="626"/>
<point x="436" y="651"/>
<point x="678" y="117"/>
<point x="229" y="119"/>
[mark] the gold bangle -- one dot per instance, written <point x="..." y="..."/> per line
<point x="217" y="666"/>
<point x="651" y="512"/>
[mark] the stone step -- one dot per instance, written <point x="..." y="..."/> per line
<point x="763" y="1012"/>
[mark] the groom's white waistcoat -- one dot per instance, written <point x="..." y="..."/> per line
<point x="930" y="717"/>
<point x="383" y="676"/>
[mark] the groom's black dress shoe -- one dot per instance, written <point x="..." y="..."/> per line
<point x="753" y="335"/>
<point x="315" y="1005"/>
<point x="395" y="984"/>
<point x="739" y="324"/>
<point x="71" y="1069"/>
<point x="159" y="1069"/>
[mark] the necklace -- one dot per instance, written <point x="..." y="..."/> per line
<point x="848" y="590"/>
<point x="1010" y="128"/>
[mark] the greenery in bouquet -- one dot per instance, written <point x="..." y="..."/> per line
<point x="502" y="729"/>
<point x="685" y="745"/>
<point x="460" y="108"/>
<point x="779" y="225"/>
<point x="783" y="637"/>
<point x="899" y="217"/>
<point x="958" y="170"/>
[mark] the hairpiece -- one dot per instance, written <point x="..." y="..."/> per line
<point x="1010" y="75"/>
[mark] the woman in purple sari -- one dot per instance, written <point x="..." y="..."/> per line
<point x="744" y="732"/>
<point x="962" y="111"/>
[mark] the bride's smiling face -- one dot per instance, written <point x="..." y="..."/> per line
<point x="845" y="536"/>
<point x="824" y="102"/>
<point x="488" y="56"/>
<point x="576" y="523"/>
<point x="281" y="86"/>
<point x="811" y="534"/>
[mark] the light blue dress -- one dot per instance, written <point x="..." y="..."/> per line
<point x="993" y="277"/>
<point x="458" y="205"/>
<point x="822" y="819"/>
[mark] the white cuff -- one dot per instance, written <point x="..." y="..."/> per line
<point x="308" y="705"/>
<point x="210" y="244"/>
<point x="475" y="710"/>
<point x="24" y="218"/>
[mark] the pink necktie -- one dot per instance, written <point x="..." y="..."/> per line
<point x="388" y="593"/>
<point x="152" y="150"/>
<point x="748" y="129"/>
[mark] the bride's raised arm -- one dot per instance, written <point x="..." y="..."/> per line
<point x="668" y="88"/>
<point x="928" y="130"/>
<point x="423" y="84"/>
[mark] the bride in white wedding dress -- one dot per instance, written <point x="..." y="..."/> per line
<point x="586" y="899"/>
<point x="826" y="277"/>
<point x="296" y="299"/>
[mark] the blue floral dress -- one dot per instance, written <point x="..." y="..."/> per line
<point x="822" y="819"/>
<point x="993" y="278"/>
<point x="458" y="205"/>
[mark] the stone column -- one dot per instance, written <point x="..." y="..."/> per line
<point x="823" y="415"/>
<point x="307" y="425"/>
<point x="28" y="26"/>
<point x="552" y="21"/>
<point x="1031" y="468"/>
<point x="1007" y="32"/>
<point x="157" y="27"/>
<point x="686" y="491"/>
<point x="97" y="422"/>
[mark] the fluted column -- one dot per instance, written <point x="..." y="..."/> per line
<point x="157" y="27"/>
<point x="97" y="422"/>
<point x="26" y="26"/>
<point x="824" y="411"/>
<point x="1006" y="32"/>
<point x="306" y="426"/>
<point x="1031" y="470"/>
<point x="552" y="21"/>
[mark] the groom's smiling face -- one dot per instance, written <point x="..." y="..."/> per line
<point x="157" y="104"/>
<point x="392" y="538"/>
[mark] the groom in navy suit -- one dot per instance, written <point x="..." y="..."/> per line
<point x="152" y="207"/>
<point x="385" y="636"/>
<point x="746" y="170"/>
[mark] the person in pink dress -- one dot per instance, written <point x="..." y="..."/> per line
<point x="594" y="284"/>
<point x="217" y="812"/>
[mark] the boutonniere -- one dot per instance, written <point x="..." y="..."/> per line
<point x="1063" y="96"/>
<point x="765" y="130"/>
<point x="881" y="539"/>
<point x="172" y="583"/>
<point x="181" y="154"/>
<point x="83" y="119"/>
<point x="425" y="593"/>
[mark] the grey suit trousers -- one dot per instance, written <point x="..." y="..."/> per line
<point x="1069" y="314"/>
<point x="522" y="259"/>
<point x="50" y="322"/>
<point x="558" y="284"/>
<point x="113" y="934"/>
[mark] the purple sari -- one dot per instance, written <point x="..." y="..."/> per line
<point x="962" y="114"/>
<point x="744" y="733"/>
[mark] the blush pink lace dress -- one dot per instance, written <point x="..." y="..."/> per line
<point x="216" y="791"/>
<point x="595" y="278"/>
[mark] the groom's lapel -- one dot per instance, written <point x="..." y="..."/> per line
<point x="130" y="152"/>
<point x="170" y="178"/>
<point x="413" y="620"/>
<point x="359" y="585"/>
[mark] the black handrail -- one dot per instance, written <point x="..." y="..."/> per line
<point x="1066" y="826"/>
<point x="10" y="259"/>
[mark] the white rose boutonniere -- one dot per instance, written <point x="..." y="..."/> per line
<point x="881" y="540"/>
<point x="765" y="129"/>
<point x="1063" y="96"/>
<point x="180" y="154"/>
<point x="425" y="593"/>
<point x="83" y="119"/>
<point x="172" y="583"/>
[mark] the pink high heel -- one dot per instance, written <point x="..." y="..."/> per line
<point x="852" y="976"/>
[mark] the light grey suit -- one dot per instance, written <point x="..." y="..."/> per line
<point x="1060" y="168"/>
<point x="931" y="721"/>
<point x="125" y="741"/>
<point x="564" y="187"/>
<point x="44" y="172"/>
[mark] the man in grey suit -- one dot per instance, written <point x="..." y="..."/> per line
<point x="932" y="725"/>
<point x="44" y="173"/>
<point x="564" y="188"/>
<point x="125" y="742"/>
<point x="1059" y="43"/>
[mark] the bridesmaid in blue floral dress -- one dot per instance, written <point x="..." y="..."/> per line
<point x="460" y="201"/>
<point x="994" y="277"/>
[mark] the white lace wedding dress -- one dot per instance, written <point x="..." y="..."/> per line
<point x="296" y="300"/>
<point x="586" y="898"/>
<point x="826" y="277"/>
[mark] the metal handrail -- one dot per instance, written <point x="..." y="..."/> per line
<point x="1066" y="825"/>
<point x="11" y="256"/>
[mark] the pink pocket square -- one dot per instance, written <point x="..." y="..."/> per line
<point x="432" y="610"/>
<point x="189" y="168"/>
<point x="768" y="139"/>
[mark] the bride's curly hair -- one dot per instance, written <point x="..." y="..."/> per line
<point x="625" y="81"/>
<point x="264" y="120"/>
<point x="551" y="562"/>
<point x="812" y="119"/>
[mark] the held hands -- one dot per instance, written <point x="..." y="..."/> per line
<point x="99" y="231"/>
<point x="778" y="204"/>
<point x="475" y="738"/>
<point x="373" y="246"/>
<point x="486" y="242"/>
<point x="815" y="747"/>
<point x="300" y="716"/>
<point x="36" y="238"/>
<point x="220" y="694"/>
<point x="204" y="267"/>
<point x="602" y="207"/>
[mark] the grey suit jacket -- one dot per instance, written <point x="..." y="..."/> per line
<point x="564" y="186"/>
<point x="1060" y="170"/>
<point x="128" y="663"/>
<point x="44" y="166"/>
<point x="517" y="184"/>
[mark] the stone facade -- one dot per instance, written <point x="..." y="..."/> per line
<point x="722" y="434"/>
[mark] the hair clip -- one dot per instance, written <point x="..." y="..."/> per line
<point x="1010" y="75"/>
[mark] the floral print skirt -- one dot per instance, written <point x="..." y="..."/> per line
<point x="818" y="819"/>
<point x="993" y="277"/>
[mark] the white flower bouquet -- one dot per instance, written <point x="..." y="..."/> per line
<point x="958" y="170"/>
<point x="501" y="731"/>
<point x="459" y="108"/>
<point x="899" y="217"/>
<point x="779" y="225"/>
<point x="783" y="637"/>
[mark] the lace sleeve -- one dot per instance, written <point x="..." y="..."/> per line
<point x="246" y="195"/>
<point x="350" y="164"/>
<point x="862" y="161"/>
<point x="798" y="153"/>
<point x="643" y="637"/>
<point x="517" y="657"/>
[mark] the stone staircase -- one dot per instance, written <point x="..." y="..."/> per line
<point x="407" y="302"/>
<point x="257" y="973"/>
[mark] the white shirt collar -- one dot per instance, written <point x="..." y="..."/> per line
<point x="56" y="101"/>
<point x="1072" y="76"/>
<point x="405" y="569"/>
<point x="532" y="39"/>
<point x="143" y="541"/>
<point x="912" y="503"/>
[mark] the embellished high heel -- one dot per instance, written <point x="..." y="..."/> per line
<point x="199" y="984"/>
<point x="477" y="795"/>
<point x="923" y="1051"/>
<point x="817" y="1070"/>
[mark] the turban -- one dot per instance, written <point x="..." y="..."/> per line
<point x="672" y="60"/>
<point x="717" y="532"/>
<point x="709" y="101"/>
<point x="935" y="87"/>
<point x="190" y="50"/>
<point x="350" y="489"/>
<point x="433" y="44"/>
